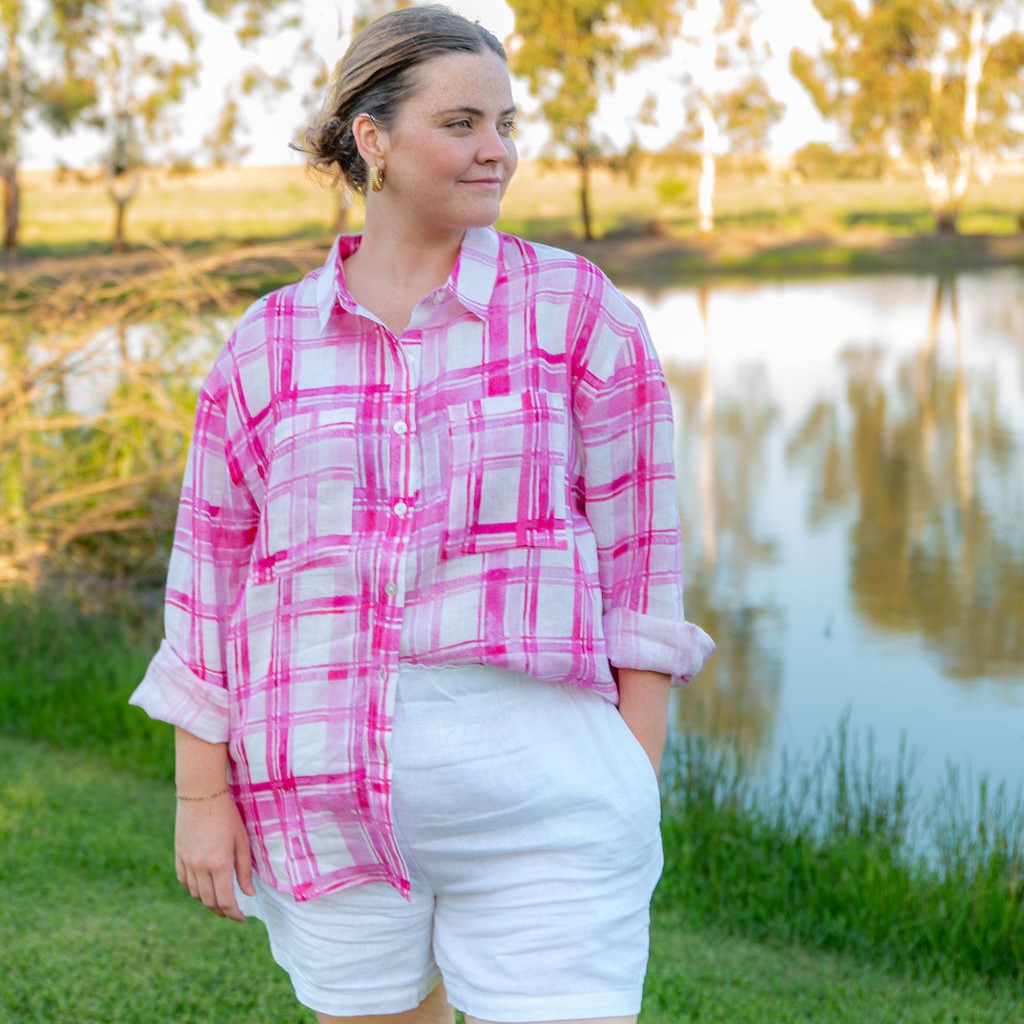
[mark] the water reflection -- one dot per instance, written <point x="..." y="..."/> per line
<point x="927" y="469"/>
<point x="739" y="688"/>
<point x="852" y="484"/>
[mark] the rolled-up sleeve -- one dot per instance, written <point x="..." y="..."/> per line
<point x="624" y="419"/>
<point x="186" y="683"/>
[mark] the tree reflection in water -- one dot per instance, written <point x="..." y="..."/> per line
<point x="738" y="695"/>
<point x="935" y="544"/>
<point x="851" y="486"/>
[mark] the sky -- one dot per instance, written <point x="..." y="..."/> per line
<point x="784" y="24"/>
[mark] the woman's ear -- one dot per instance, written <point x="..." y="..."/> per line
<point x="369" y="138"/>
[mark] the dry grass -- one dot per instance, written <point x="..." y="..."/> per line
<point x="233" y="205"/>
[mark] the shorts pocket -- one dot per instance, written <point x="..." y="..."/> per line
<point x="507" y="474"/>
<point x="307" y="517"/>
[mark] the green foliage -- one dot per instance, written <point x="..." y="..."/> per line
<point x="673" y="191"/>
<point x="940" y="81"/>
<point x="822" y="161"/>
<point x="842" y="854"/>
<point x="571" y="52"/>
<point x="96" y="395"/>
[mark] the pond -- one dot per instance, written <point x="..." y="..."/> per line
<point x="851" y="481"/>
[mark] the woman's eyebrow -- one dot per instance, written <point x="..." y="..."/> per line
<point x="473" y="111"/>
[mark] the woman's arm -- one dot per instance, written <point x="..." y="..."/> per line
<point x="643" y="704"/>
<point x="211" y="845"/>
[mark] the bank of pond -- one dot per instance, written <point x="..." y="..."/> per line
<point x="838" y="851"/>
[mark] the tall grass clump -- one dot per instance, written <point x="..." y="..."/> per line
<point x="68" y="672"/>
<point x="841" y="853"/>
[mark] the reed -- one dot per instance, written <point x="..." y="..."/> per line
<point x="841" y="852"/>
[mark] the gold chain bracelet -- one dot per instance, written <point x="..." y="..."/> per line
<point x="196" y="799"/>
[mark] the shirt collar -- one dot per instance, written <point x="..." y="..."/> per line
<point x="472" y="279"/>
<point x="476" y="270"/>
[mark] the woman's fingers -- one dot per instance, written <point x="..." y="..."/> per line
<point x="212" y="845"/>
<point x="243" y="864"/>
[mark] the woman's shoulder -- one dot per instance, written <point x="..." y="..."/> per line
<point x="558" y="271"/>
<point x="517" y="251"/>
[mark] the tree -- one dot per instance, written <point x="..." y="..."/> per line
<point x="117" y="67"/>
<point x="569" y="53"/>
<point x="319" y="32"/>
<point x="13" y="102"/>
<point x="35" y="86"/>
<point x="728" y="102"/>
<point x="938" y="83"/>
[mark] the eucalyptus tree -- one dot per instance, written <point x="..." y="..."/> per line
<point x="728" y="103"/>
<point x="13" y="104"/>
<point x="570" y="53"/>
<point x="144" y="63"/>
<point x="310" y="38"/>
<point x="35" y="87"/>
<point x="936" y="83"/>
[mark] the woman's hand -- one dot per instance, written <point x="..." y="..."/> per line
<point x="211" y="845"/>
<point x="643" y="704"/>
<point x="211" y="848"/>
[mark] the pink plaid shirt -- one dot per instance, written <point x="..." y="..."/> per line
<point x="494" y="486"/>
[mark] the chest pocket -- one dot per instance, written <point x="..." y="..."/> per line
<point x="307" y="518"/>
<point x="508" y="474"/>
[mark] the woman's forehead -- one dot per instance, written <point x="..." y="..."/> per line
<point x="460" y="80"/>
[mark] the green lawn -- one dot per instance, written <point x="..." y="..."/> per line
<point x="96" y="931"/>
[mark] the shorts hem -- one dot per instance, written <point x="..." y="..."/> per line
<point x="526" y="1009"/>
<point x="353" y="1005"/>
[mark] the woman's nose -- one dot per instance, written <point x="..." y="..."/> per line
<point x="494" y="147"/>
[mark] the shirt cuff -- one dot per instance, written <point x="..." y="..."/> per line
<point x="171" y="692"/>
<point x="676" y="648"/>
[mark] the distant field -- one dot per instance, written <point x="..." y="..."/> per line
<point x="73" y="216"/>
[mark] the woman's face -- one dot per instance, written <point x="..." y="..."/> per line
<point x="449" y="154"/>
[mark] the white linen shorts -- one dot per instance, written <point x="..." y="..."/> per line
<point x="528" y="815"/>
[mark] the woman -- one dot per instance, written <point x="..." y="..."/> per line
<point x="424" y="606"/>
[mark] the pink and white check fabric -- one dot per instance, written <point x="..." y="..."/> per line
<point x="494" y="486"/>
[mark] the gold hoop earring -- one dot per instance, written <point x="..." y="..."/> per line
<point x="376" y="178"/>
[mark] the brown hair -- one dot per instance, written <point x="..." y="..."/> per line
<point x="377" y="74"/>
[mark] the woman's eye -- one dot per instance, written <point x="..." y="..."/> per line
<point x="509" y="127"/>
<point x="463" y="122"/>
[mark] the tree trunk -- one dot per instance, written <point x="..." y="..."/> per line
<point x="119" y="210"/>
<point x="945" y="205"/>
<point x="706" y="190"/>
<point x="584" y="194"/>
<point x="12" y="211"/>
<point x="121" y="193"/>
<point x="13" y="85"/>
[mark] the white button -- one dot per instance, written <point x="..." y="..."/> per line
<point x="391" y="589"/>
<point x="400" y="508"/>
<point x="400" y="427"/>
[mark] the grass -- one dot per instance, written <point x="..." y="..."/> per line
<point x="96" y="931"/>
<point x="840" y="853"/>
<point x="67" y="675"/>
<point x="825" y="894"/>
<point x="771" y="224"/>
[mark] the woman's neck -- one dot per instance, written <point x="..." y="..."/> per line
<point x="391" y="272"/>
<point x="408" y="257"/>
